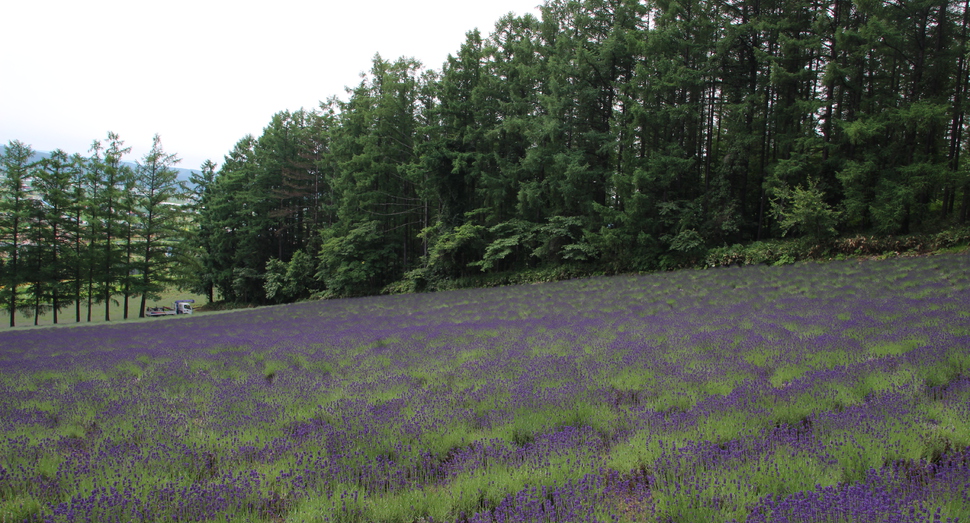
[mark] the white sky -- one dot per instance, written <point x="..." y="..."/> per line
<point x="204" y="73"/>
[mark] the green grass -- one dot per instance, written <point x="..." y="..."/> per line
<point x="66" y="316"/>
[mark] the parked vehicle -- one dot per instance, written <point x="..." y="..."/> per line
<point x="181" y="307"/>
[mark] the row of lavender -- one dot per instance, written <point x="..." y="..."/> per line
<point x="835" y="392"/>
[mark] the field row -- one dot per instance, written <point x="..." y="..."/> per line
<point x="831" y="392"/>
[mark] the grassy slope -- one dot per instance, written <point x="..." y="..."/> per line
<point x="25" y="317"/>
<point x="771" y="252"/>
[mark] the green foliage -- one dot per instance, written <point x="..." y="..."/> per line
<point x="511" y="237"/>
<point x="771" y="253"/>
<point x="685" y="247"/>
<point x="200" y="274"/>
<point x="558" y="240"/>
<point x="14" y="213"/>
<point x="91" y="230"/>
<point x="275" y="277"/>
<point x="299" y="275"/>
<point x="353" y="263"/>
<point x="803" y="209"/>
<point x="163" y="227"/>
<point x="618" y="135"/>
<point x="562" y="240"/>
<point x="783" y="252"/>
<point x="266" y="201"/>
<point x="453" y="249"/>
<point x="289" y="281"/>
<point x="623" y="243"/>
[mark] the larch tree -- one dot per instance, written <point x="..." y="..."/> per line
<point x="202" y="185"/>
<point x="15" y="182"/>
<point x="76" y="227"/>
<point x="52" y="186"/>
<point x="115" y="172"/>
<point x="162" y="224"/>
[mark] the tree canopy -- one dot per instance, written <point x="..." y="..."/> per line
<point x="77" y="229"/>
<point x="620" y="135"/>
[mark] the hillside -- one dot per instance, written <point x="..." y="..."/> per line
<point x="810" y="393"/>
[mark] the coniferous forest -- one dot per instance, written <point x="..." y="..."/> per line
<point x="612" y="135"/>
<point x="89" y="231"/>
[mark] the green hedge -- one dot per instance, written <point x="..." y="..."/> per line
<point x="781" y="252"/>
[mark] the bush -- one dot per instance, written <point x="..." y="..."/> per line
<point x="772" y="252"/>
<point x="781" y="252"/>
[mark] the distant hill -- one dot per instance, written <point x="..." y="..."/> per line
<point x="183" y="174"/>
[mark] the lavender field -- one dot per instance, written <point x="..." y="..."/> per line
<point x="834" y="392"/>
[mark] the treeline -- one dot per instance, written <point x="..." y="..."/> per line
<point x="78" y="230"/>
<point x="617" y="134"/>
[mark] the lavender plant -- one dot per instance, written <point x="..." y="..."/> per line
<point x="833" y="392"/>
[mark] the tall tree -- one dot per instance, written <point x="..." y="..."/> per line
<point x="162" y="223"/>
<point x="37" y="242"/>
<point x="130" y="201"/>
<point x="115" y="172"/>
<point x="203" y="239"/>
<point x="52" y="186"/>
<point x="14" y="211"/>
<point x="95" y="185"/>
<point x="75" y="230"/>
<point x="229" y="212"/>
<point x="630" y="134"/>
<point x="380" y="209"/>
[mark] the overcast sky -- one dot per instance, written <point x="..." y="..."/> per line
<point x="204" y="73"/>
